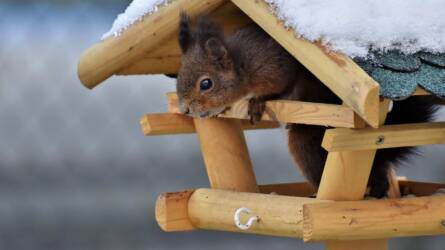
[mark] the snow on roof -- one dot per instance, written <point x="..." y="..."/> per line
<point x="134" y="12"/>
<point x="354" y="27"/>
<point x="349" y="26"/>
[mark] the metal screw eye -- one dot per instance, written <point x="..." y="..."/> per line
<point x="380" y="140"/>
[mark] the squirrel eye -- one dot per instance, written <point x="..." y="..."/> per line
<point x="205" y="84"/>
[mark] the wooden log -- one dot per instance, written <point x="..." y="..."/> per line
<point x="345" y="78"/>
<point x="389" y="136"/>
<point x="109" y="56"/>
<point x="172" y="211"/>
<point x="290" y="112"/>
<point x="168" y="124"/>
<point x="214" y="209"/>
<point x="345" y="178"/>
<point x="225" y="154"/>
<point x="374" y="219"/>
<point x="166" y="58"/>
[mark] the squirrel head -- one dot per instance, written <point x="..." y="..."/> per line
<point x="208" y="80"/>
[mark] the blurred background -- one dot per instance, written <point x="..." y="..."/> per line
<point x="75" y="170"/>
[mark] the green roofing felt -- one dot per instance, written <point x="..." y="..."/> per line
<point x="399" y="74"/>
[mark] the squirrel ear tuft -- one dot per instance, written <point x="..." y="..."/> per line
<point x="185" y="34"/>
<point x="216" y="49"/>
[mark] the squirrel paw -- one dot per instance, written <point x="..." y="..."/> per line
<point x="256" y="109"/>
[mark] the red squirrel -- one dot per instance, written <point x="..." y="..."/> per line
<point x="218" y="70"/>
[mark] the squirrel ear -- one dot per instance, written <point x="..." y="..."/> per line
<point x="185" y="36"/>
<point x="216" y="50"/>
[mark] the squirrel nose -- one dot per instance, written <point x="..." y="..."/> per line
<point x="186" y="111"/>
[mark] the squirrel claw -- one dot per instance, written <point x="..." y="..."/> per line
<point x="255" y="110"/>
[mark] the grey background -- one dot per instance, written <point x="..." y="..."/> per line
<point x="75" y="170"/>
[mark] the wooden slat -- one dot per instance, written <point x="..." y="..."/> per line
<point x="345" y="78"/>
<point x="169" y="124"/>
<point x="374" y="219"/>
<point x="166" y="58"/>
<point x="114" y="53"/>
<point x="419" y="188"/>
<point x="389" y="136"/>
<point x="290" y="112"/>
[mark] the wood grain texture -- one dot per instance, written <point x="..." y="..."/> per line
<point x="345" y="178"/>
<point x="290" y="112"/>
<point x="114" y="53"/>
<point x="374" y="219"/>
<point x="337" y="71"/>
<point x="172" y="211"/>
<point x="389" y="136"/>
<point x="225" y="154"/>
<point x="279" y="215"/>
<point x="169" y="124"/>
<point x="166" y="58"/>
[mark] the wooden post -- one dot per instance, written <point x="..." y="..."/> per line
<point x="345" y="177"/>
<point x="225" y="154"/>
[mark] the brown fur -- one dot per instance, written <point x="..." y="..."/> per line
<point x="249" y="63"/>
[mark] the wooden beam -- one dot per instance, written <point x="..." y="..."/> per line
<point x="419" y="188"/>
<point x="225" y="154"/>
<point x="172" y="211"/>
<point x="345" y="178"/>
<point x="166" y="58"/>
<point x="374" y="219"/>
<point x="302" y="189"/>
<point x="114" y="53"/>
<point x="172" y="208"/>
<point x="214" y="209"/>
<point x="345" y="78"/>
<point x="389" y="136"/>
<point x="290" y="112"/>
<point x="168" y="124"/>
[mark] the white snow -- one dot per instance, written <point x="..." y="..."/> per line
<point x="134" y="12"/>
<point x="349" y="26"/>
<point x="355" y="26"/>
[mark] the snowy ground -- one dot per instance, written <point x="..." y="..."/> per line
<point x="76" y="172"/>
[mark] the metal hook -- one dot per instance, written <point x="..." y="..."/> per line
<point x="250" y="221"/>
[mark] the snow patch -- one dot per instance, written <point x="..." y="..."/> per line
<point x="356" y="27"/>
<point x="134" y="12"/>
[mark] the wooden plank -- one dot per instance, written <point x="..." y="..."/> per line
<point x="345" y="78"/>
<point x="419" y="188"/>
<point x="172" y="211"/>
<point x="290" y="112"/>
<point x="166" y="58"/>
<point x="225" y="154"/>
<point x="303" y="189"/>
<point x="345" y="178"/>
<point x="168" y="124"/>
<point x="374" y="219"/>
<point x="389" y="136"/>
<point x="114" y="53"/>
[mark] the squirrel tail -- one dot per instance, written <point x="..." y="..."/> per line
<point x="416" y="109"/>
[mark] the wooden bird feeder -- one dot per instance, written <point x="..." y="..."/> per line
<point x="338" y="215"/>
